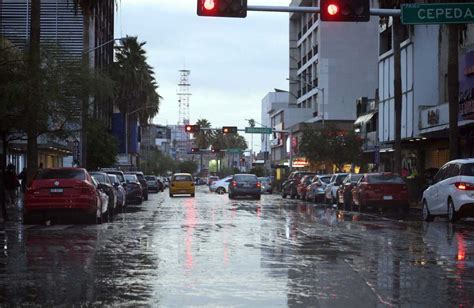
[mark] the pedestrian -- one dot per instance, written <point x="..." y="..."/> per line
<point x="23" y="176"/>
<point x="40" y="166"/>
<point x="11" y="184"/>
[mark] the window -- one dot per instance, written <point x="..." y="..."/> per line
<point x="467" y="169"/>
<point x="440" y="174"/>
<point x="385" y="41"/>
<point x="182" y="178"/>
<point x="69" y="174"/>
<point x="385" y="179"/>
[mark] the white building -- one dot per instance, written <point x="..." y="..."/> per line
<point x="331" y="64"/>
<point x="270" y="103"/>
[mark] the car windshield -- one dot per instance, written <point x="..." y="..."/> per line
<point x="182" y="178"/>
<point x="113" y="178"/>
<point x="339" y="179"/>
<point x="325" y="179"/>
<point x="385" y="179"/>
<point x="119" y="175"/>
<point x="71" y="174"/>
<point x="247" y="178"/>
<point x="150" y="178"/>
<point x="131" y="177"/>
<point x="99" y="177"/>
<point x="356" y="177"/>
<point x="467" y="169"/>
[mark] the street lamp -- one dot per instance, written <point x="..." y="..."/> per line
<point x="103" y="44"/>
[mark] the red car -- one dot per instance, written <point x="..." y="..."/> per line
<point x="381" y="190"/>
<point x="63" y="191"/>
<point x="302" y="186"/>
<point x="344" y="192"/>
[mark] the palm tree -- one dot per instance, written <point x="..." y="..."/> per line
<point x="203" y="138"/>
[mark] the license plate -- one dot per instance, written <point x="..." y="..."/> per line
<point x="56" y="190"/>
<point x="387" y="197"/>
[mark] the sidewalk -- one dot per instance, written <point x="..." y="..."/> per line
<point x="14" y="212"/>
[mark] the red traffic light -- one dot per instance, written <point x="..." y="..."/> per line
<point x="222" y="8"/>
<point x="194" y="150"/>
<point x="345" y="10"/>
<point x="192" y="128"/>
<point x="229" y="129"/>
<point x="332" y="9"/>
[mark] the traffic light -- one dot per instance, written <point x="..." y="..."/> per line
<point x="195" y="150"/>
<point x="344" y="10"/>
<point x="229" y="129"/>
<point x="222" y="8"/>
<point x="192" y="128"/>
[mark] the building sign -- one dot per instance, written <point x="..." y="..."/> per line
<point x="437" y="13"/>
<point x="433" y="117"/>
<point x="466" y="86"/>
<point x="300" y="163"/>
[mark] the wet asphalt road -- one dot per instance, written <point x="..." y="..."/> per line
<point x="210" y="251"/>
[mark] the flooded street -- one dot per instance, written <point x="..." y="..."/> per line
<point x="212" y="251"/>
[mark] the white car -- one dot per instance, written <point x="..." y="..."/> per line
<point x="221" y="186"/>
<point x="330" y="191"/>
<point x="452" y="191"/>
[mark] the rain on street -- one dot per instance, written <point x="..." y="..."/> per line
<point x="212" y="251"/>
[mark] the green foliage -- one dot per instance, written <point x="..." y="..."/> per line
<point x="258" y="171"/>
<point x="203" y="139"/>
<point x="188" y="166"/>
<point x="330" y="145"/>
<point x="136" y="87"/>
<point x="102" y="147"/>
<point x="155" y="162"/>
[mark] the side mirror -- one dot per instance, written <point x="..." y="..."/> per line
<point x="116" y="184"/>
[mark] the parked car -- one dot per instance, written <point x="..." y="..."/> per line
<point x="107" y="187"/>
<point x="381" y="190"/>
<point x="288" y="187"/>
<point x="154" y="185"/>
<point x="452" y="192"/>
<point x="142" y="180"/>
<point x="331" y="189"/>
<point x="121" y="177"/>
<point x="221" y="186"/>
<point x="63" y="191"/>
<point x="212" y="179"/>
<point x="134" y="189"/>
<point x="119" y="191"/>
<point x="245" y="185"/>
<point x="315" y="190"/>
<point x="182" y="183"/>
<point x="303" y="185"/>
<point x="266" y="185"/>
<point x="344" y="192"/>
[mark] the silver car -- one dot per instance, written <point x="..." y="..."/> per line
<point x="266" y="185"/>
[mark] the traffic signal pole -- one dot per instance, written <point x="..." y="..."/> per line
<point x="315" y="9"/>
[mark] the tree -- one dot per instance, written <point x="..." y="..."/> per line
<point x="330" y="145"/>
<point x="187" y="166"/>
<point x="103" y="148"/>
<point x="203" y="138"/>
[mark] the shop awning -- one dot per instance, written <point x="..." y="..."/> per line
<point x="364" y="118"/>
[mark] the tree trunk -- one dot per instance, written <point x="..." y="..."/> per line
<point x="398" y="94"/>
<point x="453" y="89"/>
<point x="85" y="98"/>
<point x="35" y="101"/>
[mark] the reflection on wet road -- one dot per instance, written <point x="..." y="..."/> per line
<point x="212" y="251"/>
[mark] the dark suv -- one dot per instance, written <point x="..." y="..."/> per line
<point x="288" y="188"/>
<point x="245" y="185"/>
<point x="142" y="180"/>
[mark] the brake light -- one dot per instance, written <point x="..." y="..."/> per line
<point x="259" y="184"/>
<point x="464" y="186"/>
<point x="234" y="183"/>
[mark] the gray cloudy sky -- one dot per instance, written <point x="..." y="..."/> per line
<point x="234" y="63"/>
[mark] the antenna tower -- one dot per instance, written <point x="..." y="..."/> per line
<point x="183" y="97"/>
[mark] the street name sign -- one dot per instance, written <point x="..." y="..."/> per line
<point x="258" y="130"/>
<point x="234" y="150"/>
<point x="437" y="13"/>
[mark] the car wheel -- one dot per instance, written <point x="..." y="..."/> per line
<point x="452" y="215"/>
<point x="192" y="195"/>
<point x="220" y="190"/>
<point x="283" y="194"/>
<point x="425" y="212"/>
<point x="258" y="197"/>
<point x="171" y="195"/>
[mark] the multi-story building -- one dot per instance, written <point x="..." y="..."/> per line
<point x="62" y="26"/>
<point x="425" y="110"/>
<point x="331" y="64"/>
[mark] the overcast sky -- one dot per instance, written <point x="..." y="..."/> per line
<point x="234" y="62"/>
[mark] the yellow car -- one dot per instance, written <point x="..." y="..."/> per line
<point x="182" y="183"/>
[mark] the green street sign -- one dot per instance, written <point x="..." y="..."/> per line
<point x="441" y="13"/>
<point x="258" y="130"/>
<point x="234" y="150"/>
